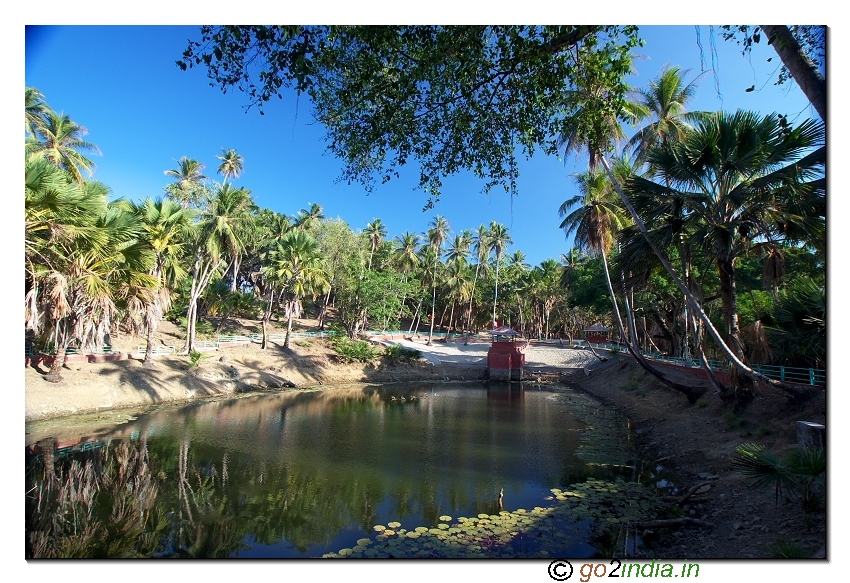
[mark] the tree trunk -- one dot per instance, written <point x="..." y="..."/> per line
<point x="267" y="314"/>
<point x="496" y="294"/>
<point x="415" y="315"/>
<point x="289" y="326"/>
<point x="433" y="303"/>
<point x="728" y="293"/>
<point x="150" y="316"/>
<point x="690" y="392"/>
<point x="801" y="68"/>
<point x="794" y="392"/>
<point x="54" y="375"/>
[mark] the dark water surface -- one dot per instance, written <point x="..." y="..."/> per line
<point x="301" y="474"/>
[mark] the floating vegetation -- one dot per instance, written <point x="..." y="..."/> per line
<point x="585" y="511"/>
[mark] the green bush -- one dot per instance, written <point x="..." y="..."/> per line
<point x="355" y="350"/>
<point x="398" y="353"/>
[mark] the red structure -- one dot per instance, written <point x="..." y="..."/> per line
<point x="597" y="334"/>
<point x="506" y="357"/>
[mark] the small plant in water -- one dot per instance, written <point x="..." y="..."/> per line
<point x="632" y="385"/>
<point x="702" y="402"/>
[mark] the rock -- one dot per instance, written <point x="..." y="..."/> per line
<point x="223" y="359"/>
<point x="707" y="476"/>
<point x="738" y="526"/>
<point x="703" y="489"/>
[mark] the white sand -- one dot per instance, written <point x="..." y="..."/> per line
<point x="536" y="355"/>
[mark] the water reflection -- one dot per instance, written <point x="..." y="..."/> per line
<point x="297" y="474"/>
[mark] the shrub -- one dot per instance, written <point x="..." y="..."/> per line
<point x="801" y="472"/>
<point x="398" y="353"/>
<point x="354" y="350"/>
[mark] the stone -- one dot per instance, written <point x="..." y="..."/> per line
<point x="703" y="489"/>
<point x="811" y="435"/>
<point x="707" y="476"/>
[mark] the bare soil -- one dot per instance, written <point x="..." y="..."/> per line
<point x="695" y="442"/>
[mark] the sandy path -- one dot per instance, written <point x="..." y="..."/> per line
<point x="536" y="355"/>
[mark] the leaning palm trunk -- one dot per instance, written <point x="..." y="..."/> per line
<point x="794" y="392"/>
<point x="690" y="392"/>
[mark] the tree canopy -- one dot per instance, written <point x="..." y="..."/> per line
<point x="450" y="98"/>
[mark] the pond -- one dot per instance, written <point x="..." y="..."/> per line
<point x="353" y="471"/>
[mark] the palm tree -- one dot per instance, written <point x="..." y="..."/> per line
<point x="405" y="258"/>
<point x="231" y="165"/>
<point x="234" y="210"/>
<point x="376" y="231"/>
<point x="220" y="231"/>
<point x="295" y="267"/>
<point x="60" y="141"/>
<point x="167" y="226"/>
<point x="309" y="218"/>
<point x="737" y="180"/>
<point x="665" y="102"/>
<point x="36" y="110"/>
<point x="436" y="235"/>
<point x="481" y="247"/>
<point x="458" y="284"/>
<point x="188" y="189"/>
<point x="498" y="240"/>
<point x="594" y="223"/>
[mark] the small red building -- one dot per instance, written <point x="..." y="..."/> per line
<point x="597" y="334"/>
<point x="506" y="357"/>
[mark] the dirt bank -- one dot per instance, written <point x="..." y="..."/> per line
<point x="695" y="442"/>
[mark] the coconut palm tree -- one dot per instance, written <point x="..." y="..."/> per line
<point x="232" y="209"/>
<point x="436" y="235"/>
<point x="375" y="231"/>
<point x="296" y="268"/>
<point x="405" y="257"/>
<point x="36" y="110"/>
<point x="231" y="165"/>
<point x="594" y="223"/>
<point x="665" y="103"/>
<point x="737" y="180"/>
<point x="219" y="232"/>
<point x="189" y="177"/>
<point x="309" y="218"/>
<point x="481" y="248"/>
<point x="60" y="141"/>
<point x="498" y="240"/>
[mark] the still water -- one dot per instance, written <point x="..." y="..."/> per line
<point x="302" y="474"/>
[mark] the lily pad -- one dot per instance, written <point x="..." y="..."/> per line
<point x="445" y="518"/>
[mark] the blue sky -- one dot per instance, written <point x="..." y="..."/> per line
<point x="144" y="114"/>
